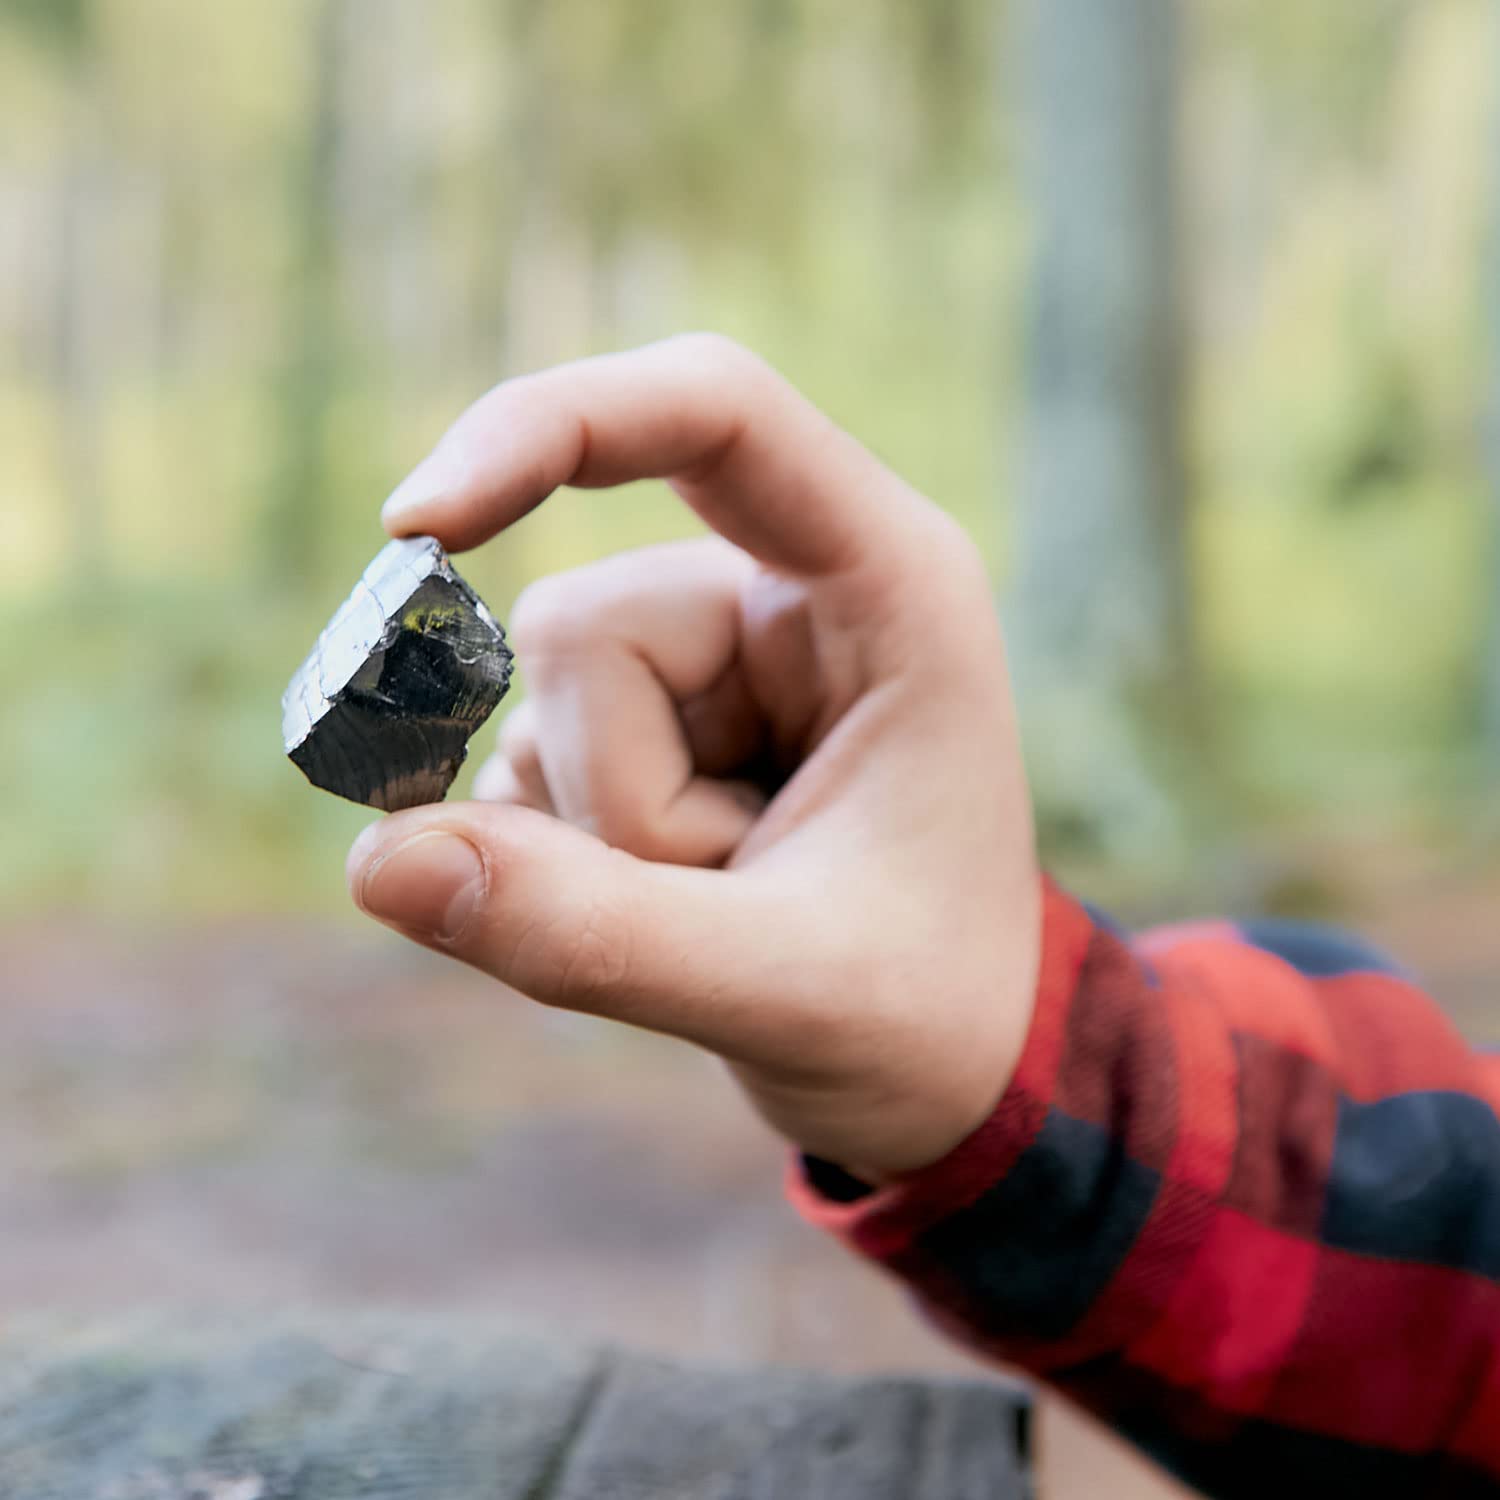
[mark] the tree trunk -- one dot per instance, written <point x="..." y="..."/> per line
<point x="1102" y="617"/>
<point x="307" y="390"/>
<point x="81" y="287"/>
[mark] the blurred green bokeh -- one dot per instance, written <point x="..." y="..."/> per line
<point x="253" y="257"/>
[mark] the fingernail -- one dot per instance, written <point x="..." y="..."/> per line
<point x="429" y="884"/>
<point x="439" y="474"/>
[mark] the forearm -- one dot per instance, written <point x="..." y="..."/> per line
<point x="1244" y="1206"/>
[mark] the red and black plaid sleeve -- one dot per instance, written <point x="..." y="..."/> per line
<point x="1241" y="1200"/>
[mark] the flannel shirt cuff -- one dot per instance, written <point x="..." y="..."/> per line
<point x="882" y="1222"/>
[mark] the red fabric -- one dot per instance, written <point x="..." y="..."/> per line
<point x="1241" y="1199"/>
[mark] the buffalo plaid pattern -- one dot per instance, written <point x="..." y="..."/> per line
<point x="1241" y="1200"/>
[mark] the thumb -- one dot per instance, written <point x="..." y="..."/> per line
<point x="569" y="920"/>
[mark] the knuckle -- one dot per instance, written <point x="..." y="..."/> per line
<point x="599" y="601"/>
<point x="543" y="615"/>
<point x="951" y="554"/>
<point x="620" y="823"/>
<point x="512" y="399"/>
<point x="494" y="781"/>
<point x="502" y="407"/>
<point x="963" y="556"/>
<point x="953" y="542"/>
<point x="939" y="549"/>
<point x="517" y="737"/>
<point x="719" y="356"/>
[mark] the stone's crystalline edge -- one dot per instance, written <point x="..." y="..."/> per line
<point x="411" y="665"/>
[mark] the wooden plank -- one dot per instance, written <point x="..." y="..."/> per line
<point x="654" y="1429"/>
<point x="383" y="1410"/>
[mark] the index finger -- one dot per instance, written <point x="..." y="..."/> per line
<point x="761" y="465"/>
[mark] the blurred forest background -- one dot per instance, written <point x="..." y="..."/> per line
<point x="1182" y="309"/>
<point x="1186" y="308"/>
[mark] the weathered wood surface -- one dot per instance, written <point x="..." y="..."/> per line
<point x="142" y="1411"/>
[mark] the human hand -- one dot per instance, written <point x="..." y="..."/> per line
<point x="857" y="936"/>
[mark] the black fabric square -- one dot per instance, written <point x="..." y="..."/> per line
<point x="1037" y="1249"/>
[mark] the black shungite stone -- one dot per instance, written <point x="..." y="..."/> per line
<point x="412" y="664"/>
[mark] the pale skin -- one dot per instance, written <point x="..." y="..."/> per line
<point x="860" y="945"/>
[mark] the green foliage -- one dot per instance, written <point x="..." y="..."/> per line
<point x="145" y="733"/>
<point x="63" y="24"/>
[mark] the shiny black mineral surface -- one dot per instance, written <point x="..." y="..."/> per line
<point x="411" y="665"/>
